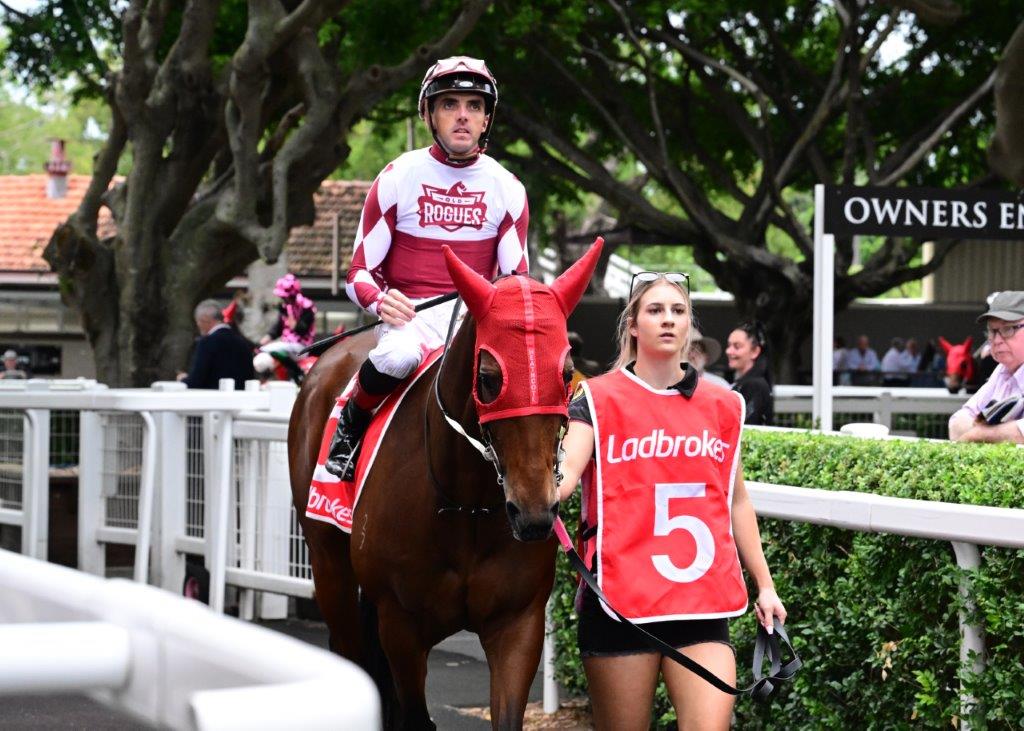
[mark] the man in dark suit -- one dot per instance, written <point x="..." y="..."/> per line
<point x="220" y="351"/>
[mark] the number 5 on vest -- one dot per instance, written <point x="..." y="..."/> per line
<point x="663" y="525"/>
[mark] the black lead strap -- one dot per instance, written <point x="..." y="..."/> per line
<point x="766" y="644"/>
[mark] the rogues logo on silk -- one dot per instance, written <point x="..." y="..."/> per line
<point x="453" y="208"/>
<point x="659" y="445"/>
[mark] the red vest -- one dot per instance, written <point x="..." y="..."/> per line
<point x="660" y="490"/>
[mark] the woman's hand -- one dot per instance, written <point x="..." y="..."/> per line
<point x="768" y="606"/>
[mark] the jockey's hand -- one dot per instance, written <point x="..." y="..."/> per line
<point x="767" y="606"/>
<point x="395" y="308"/>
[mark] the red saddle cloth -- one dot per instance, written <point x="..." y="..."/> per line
<point x="332" y="500"/>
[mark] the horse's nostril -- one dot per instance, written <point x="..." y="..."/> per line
<point x="512" y="510"/>
<point x="554" y="509"/>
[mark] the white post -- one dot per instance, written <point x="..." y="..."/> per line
<point x="247" y="496"/>
<point x="147" y="492"/>
<point x="219" y="504"/>
<point x="35" y="483"/>
<point x="550" y="684"/>
<point x="824" y="313"/>
<point x="168" y="564"/>
<point x="91" y="508"/>
<point x="276" y="501"/>
<point x="972" y="637"/>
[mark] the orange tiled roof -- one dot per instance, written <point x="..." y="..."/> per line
<point x="28" y="218"/>
<point x="309" y="247"/>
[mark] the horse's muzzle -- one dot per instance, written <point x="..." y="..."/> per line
<point x="531" y="526"/>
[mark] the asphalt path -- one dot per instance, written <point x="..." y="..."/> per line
<point x="457" y="677"/>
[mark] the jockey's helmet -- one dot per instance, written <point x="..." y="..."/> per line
<point x="288" y="286"/>
<point x="459" y="74"/>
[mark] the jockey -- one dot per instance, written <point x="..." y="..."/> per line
<point x="450" y="193"/>
<point x="296" y="319"/>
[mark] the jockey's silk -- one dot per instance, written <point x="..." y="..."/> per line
<point x="660" y="491"/>
<point x="294" y="310"/>
<point x="419" y="203"/>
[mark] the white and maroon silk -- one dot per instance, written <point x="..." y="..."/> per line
<point x="419" y="203"/>
<point x="660" y="491"/>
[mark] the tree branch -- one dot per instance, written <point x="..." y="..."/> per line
<point x="925" y="147"/>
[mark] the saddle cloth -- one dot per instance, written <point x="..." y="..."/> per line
<point x="330" y="499"/>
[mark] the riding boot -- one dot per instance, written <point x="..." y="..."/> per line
<point x="344" y="449"/>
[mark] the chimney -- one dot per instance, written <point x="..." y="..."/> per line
<point x="58" y="168"/>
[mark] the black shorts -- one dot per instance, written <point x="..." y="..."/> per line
<point x="598" y="635"/>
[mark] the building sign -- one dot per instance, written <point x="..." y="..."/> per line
<point x="923" y="213"/>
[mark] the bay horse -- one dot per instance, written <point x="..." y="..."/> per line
<point x="444" y="539"/>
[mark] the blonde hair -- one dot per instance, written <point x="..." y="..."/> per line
<point x="627" y="318"/>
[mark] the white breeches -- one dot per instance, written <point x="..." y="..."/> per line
<point x="400" y="350"/>
<point x="280" y="346"/>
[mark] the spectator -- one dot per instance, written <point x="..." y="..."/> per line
<point x="703" y="352"/>
<point x="840" y="367"/>
<point x="862" y="358"/>
<point x="839" y="354"/>
<point x="891" y="361"/>
<point x="748" y="358"/>
<point x="220" y="351"/>
<point x="1003" y="322"/>
<point x="10" y="369"/>
<point x="893" y="364"/>
<point x="911" y="361"/>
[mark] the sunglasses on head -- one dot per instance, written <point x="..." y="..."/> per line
<point x="674" y="277"/>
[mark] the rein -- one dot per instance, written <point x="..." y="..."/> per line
<point x="484" y="447"/>
<point x="766" y="644"/>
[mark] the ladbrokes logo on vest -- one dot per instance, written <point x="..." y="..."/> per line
<point x="453" y="208"/>
<point x="658" y="445"/>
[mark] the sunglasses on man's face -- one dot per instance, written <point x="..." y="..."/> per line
<point x="680" y="278"/>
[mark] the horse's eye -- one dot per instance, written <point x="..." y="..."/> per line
<point x="488" y="385"/>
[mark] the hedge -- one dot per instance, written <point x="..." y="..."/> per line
<point x="874" y="617"/>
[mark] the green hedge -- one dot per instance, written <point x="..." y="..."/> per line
<point x="875" y="617"/>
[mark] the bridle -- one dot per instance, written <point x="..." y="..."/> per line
<point x="484" y="446"/>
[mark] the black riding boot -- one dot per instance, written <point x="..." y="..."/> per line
<point x="341" y="461"/>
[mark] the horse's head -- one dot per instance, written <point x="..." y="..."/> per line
<point x="959" y="363"/>
<point x="521" y="372"/>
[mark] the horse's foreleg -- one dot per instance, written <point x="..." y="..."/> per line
<point x="336" y="588"/>
<point x="407" y="655"/>
<point x="513" y="648"/>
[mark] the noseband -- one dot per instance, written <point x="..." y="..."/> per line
<point x="484" y="445"/>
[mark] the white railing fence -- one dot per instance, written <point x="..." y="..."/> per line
<point x="167" y="660"/>
<point x="174" y="472"/>
<point x="919" y="412"/>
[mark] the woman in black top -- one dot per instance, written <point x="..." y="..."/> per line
<point x="747" y="353"/>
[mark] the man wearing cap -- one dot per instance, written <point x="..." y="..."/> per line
<point x="1003" y="323"/>
<point x="450" y="193"/>
<point x="703" y="352"/>
<point x="10" y="369"/>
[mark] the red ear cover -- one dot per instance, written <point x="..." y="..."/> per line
<point x="572" y="283"/>
<point x="475" y="291"/>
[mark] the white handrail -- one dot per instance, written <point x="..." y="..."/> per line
<point x="186" y="667"/>
<point x="865" y="512"/>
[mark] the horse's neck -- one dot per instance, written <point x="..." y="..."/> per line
<point x="455" y="382"/>
<point x="451" y="452"/>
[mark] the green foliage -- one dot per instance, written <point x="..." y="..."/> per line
<point x="874" y="617"/>
<point x="26" y="128"/>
